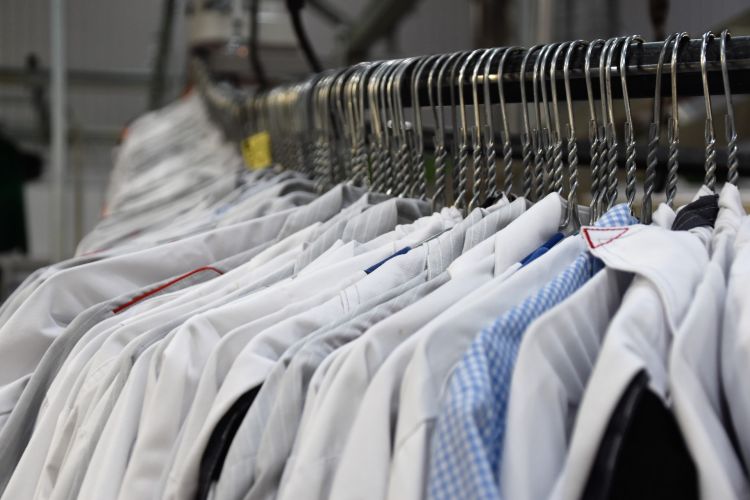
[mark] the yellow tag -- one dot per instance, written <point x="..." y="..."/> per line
<point x="256" y="150"/>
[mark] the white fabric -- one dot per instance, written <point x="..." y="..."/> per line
<point x="554" y="363"/>
<point x="324" y="429"/>
<point x="235" y="479"/>
<point x="438" y="347"/>
<point x="99" y="352"/>
<point x="242" y="320"/>
<point x="735" y="342"/>
<point x="668" y="266"/>
<point x="694" y="366"/>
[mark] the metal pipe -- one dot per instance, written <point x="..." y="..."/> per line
<point x="59" y="150"/>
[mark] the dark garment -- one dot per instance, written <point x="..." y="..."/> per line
<point x="701" y="212"/>
<point x="220" y="441"/>
<point x="642" y="454"/>
<point x="16" y="166"/>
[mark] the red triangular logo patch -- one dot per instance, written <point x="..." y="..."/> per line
<point x="599" y="236"/>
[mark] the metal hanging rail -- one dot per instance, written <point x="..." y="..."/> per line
<point x="641" y="73"/>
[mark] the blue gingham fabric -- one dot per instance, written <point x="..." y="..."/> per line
<point x="468" y="439"/>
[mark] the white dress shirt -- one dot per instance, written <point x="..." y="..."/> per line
<point x="734" y="343"/>
<point x="694" y="365"/>
<point x="245" y="372"/>
<point x="250" y="317"/>
<point x="554" y="363"/>
<point x="325" y="425"/>
<point x="435" y="350"/>
<point x="439" y="253"/>
<point x="101" y="352"/>
<point x="668" y="266"/>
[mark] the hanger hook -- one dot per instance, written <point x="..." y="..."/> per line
<point x="602" y="186"/>
<point x="527" y="138"/>
<point x="594" y="135"/>
<point x="709" y="134"/>
<point x="419" y="189"/>
<point x="612" y="144"/>
<point x="441" y="151"/>
<point x="463" y="144"/>
<point x="479" y="166"/>
<point x="604" y="136"/>
<point x="733" y="152"/>
<point x="673" y="131"/>
<point x="507" y="146"/>
<point x="630" y="164"/>
<point x="405" y="169"/>
<point x="572" y="214"/>
<point x="557" y="139"/>
<point x="543" y="157"/>
<point x="490" y="148"/>
<point x="654" y="134"/>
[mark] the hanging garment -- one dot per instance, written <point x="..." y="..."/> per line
<point x="441" y="252"/>
<point x="696" y="359"/>
<point x="474" y="412"/>
<point x="230" y="333"/>
<point x="668" y="267"/>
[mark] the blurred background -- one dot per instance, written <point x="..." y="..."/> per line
<point x="123" y="58"/>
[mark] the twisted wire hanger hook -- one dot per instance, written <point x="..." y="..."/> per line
<point x="507" y="146"/>
<point x="489" y="130"/>
<point x="572" y="216"/>
<point x="594" y="135"/>
<point x="673" y="131"/>
<point x="557" y="151"/>
<point x="603" y="185"/>
<point x="654" y="135"/>
<point x="630" y="164"/>
<point x="479" y="163"/>
<point x="541" y="132"/>
<point x="709" y="134"/>
<point x="731" y="130"/>
<point x="527" y="138"/>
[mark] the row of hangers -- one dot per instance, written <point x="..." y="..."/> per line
<point x="353" y="124"/>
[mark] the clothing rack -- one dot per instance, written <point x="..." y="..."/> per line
<point x="326" y="125"/>
<point x="641" y="73"/>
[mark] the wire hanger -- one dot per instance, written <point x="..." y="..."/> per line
<point x="595" y="137"/>
<point x="419" y="189"/>
<point x="611" y="131"/>
<point x="480" y="164"/>
<point x="630" y="166"/>
<point x="731" y="130"/>
<point x="441" y="151"/>
<point x="709" y="134"/>
<point x="490" y="149"/>
<point x="572" y="216"/>
<point x="538" y="134"/>
<point x="673" y="132"/>
<point x="463" y="144"/>
<point x="528" y="142"/>
<point x="654" y="134"/>
<point x="507" y="147"/>
<point x="556" y="132"/>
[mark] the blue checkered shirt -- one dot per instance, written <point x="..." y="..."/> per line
<point x="468" y="439"/>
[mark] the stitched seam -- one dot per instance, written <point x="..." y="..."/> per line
<point x="163" y="287"/>
<point x="590" y="241"/>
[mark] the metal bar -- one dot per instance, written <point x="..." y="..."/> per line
<point x="641" y="73"/>
<point x="159" y="76"/>
<point x="692" y="159"/>
<point x="59" y="132"/>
